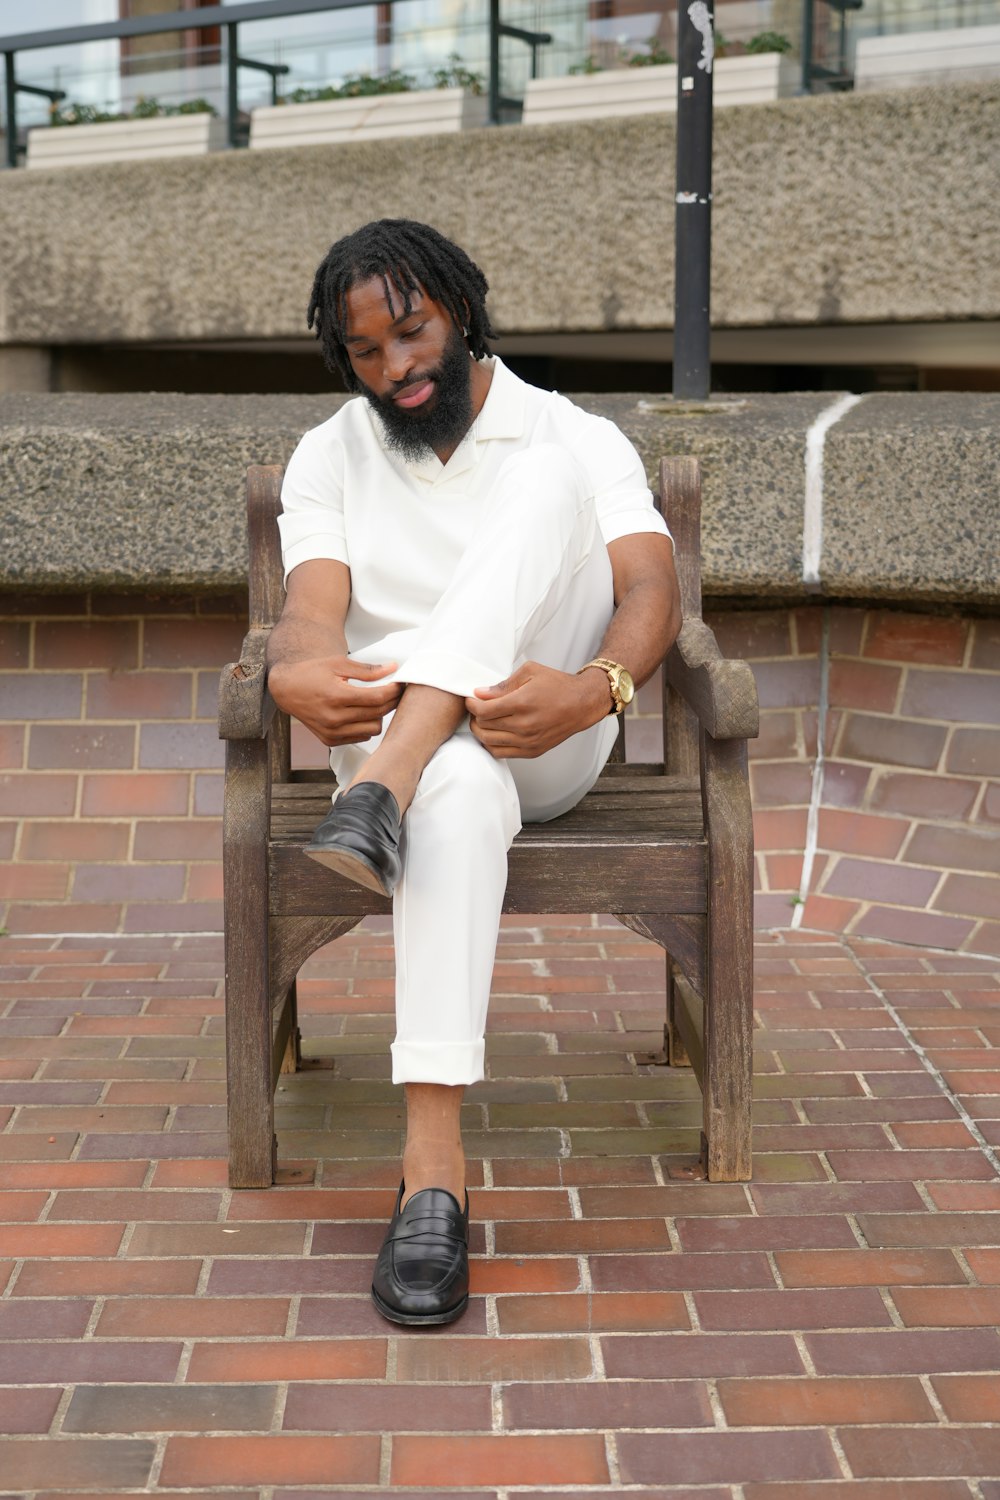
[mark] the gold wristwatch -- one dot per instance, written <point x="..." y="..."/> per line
<point x="619" y="680"/>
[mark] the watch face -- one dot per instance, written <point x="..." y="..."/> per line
<point x="626" y="687"/>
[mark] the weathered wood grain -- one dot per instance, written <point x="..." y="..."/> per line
<point x="721" y="692"/>
<point x="250" y="1098"/>
<point x="680" y="504"/>
<point x="728" y="1040"/>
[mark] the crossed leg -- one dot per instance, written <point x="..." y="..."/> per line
<point x="535" y="582"/>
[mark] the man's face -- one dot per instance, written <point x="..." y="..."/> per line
<point x="413" y="367"/>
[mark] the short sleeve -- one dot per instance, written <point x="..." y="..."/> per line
<point x="312" y="502"/>
<point x="621" y="495"/>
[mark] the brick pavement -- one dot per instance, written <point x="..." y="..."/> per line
<point x="826" y="1333"/>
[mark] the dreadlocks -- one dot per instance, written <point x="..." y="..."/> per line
<point x="408" y="255"/>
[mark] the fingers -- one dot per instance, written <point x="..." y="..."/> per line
<point x="500" y="706"/>
<point x="368" y="670"/>
<point x="510" y="684"/>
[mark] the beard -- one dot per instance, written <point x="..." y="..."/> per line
<point x="441" y="422"/>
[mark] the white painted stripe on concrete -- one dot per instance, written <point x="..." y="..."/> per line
<point x="812" y="514"/>
<point x="819" y="771"/>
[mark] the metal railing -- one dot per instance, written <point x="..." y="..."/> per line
<point x="229" y="18"/>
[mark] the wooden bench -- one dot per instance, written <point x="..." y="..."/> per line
<point x="667" y="848"/>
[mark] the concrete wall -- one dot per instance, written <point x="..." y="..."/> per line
<point x="146" y="492"/>
<point x="830" y="210"/>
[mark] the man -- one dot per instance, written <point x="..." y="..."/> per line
<point x="476" y="577"/>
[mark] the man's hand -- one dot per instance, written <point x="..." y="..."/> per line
<point x="536" y="709"/>
<point x="339" y="712"/>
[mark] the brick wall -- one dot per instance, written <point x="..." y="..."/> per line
<point x="907" y="803"/>
<point x="111" y="780"/>
<point x="111" y="770"/>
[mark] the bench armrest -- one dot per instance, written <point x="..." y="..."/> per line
<point x="721" y="692"/>
<point x="246" y="708"/>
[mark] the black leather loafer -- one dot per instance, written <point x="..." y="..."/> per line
<point x="422" y="1272"/>
<point x="359" y="837"/>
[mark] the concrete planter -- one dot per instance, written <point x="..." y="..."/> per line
<point x="125" y="140"/>
<point x="372" y="117"/>
<point x="963" y="54"/>
<point x="643" y="91"/>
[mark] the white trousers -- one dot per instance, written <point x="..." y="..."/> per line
<point x="534" y="584"/>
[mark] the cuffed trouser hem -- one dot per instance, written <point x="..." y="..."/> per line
<point x="450" y="1063"/>
<point x="448" y="671"/>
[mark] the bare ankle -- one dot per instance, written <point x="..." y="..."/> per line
<point x="434" y="1167"/>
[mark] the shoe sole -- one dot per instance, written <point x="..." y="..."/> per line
<point x="353" y="867"/>
<point x="416" y="1319"/>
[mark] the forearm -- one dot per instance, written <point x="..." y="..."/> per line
<point x="297" y="638"/>
<point x="642" y="630"/>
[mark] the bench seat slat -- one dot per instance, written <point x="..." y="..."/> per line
<point x="631" y="877"/>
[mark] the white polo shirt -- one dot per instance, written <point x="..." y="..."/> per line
<point x="401" y="527"/>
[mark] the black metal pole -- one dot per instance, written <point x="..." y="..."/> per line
<point x="807" y="45"/>
<point x="10" y="102"/>
<point x="693" y="206"/>
<point x="232" y="85"/>
<point x="494" y="115"/>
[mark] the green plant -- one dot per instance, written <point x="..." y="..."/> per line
<point x="457" y="76"/>
<point x="589" y="65"/>
<point x="355" y="86"/>
<point x="80" y="114"/>
<point x="144" y="109"/>
<point x="769" y="41"/>
<point x="152" y="109"/>
<point x="654" y="56"/>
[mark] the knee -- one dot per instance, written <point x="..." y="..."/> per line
<point x="476" y="793"/>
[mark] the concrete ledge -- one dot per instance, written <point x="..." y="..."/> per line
<point x="840" y="209"/>
<point x="145" y="492"/>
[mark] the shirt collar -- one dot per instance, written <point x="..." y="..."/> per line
<point x="502" y="415"/>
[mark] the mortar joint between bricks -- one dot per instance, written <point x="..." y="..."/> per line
<point x="715" y="1404"/>
<point x="890" y="1307"/>
<point x="583" y="1266"/>
<point x="292" y="1320"/>
<point x="692" y="1312"/>
<point x="94" y="1319"/>
<point x="280" y="1402"/>
<point x="496" y="1406"/>
<point x="967" y="1271"/>
<point x="576" y="1207"/>
<point x="831" y="1175"/>
<point x="204" y="1275"/>
<point x="598" y="1372"/>
<point x="58" y="1416"/>
<point x="855" y="1227"/>
<point x="184" y="1363"/>
<point x="839" y="1453"/>
<point x="492" y="1316"/>
<point x="799" y="1340"/>
<point x="126" y="1239"/>
<point x="47" y="1207"/>
<point x="611" y="1455"/>
<point x="927" y="1386"/>
<point x="773" y="1263"/>
<point x="12" y="1280"/>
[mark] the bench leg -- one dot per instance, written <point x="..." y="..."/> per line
<point x="291" y="1062"/>
<point x="728" y="1013"/>
<point x="248" y="991"/>
<point x="677" y="1053"/>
